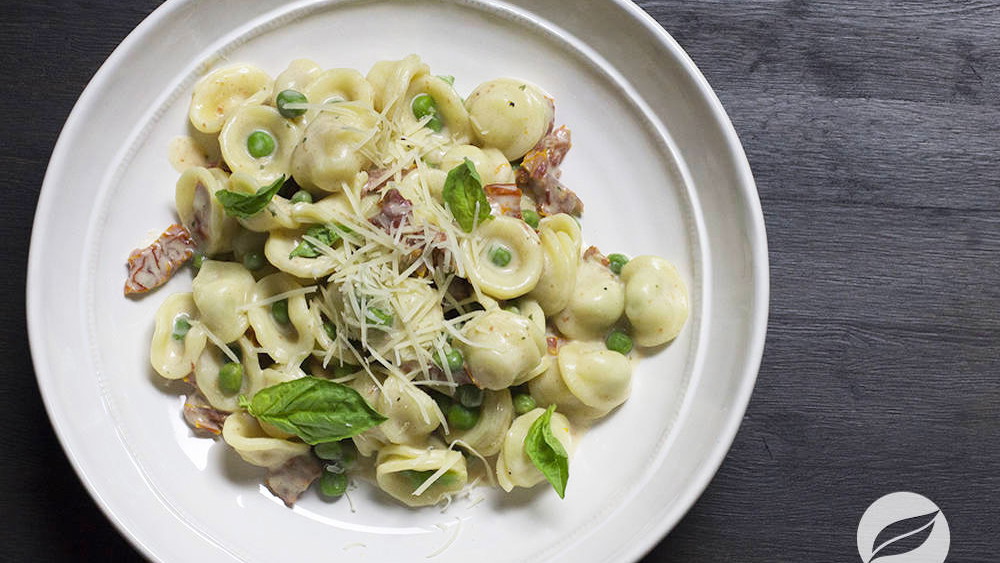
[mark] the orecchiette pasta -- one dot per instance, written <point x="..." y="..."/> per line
<point x="222" y="91"/>
<point x="501" y="347"/>
<point x="420" y="476"/>
<point x="390" y="279"/>
<point x="201" y="213"/>
<point x="587" y="380"/>
<point x="221" y="290"/>
<point x="510" y="115"/>
<point x="656" y="301"/>
<point x="517" y="270"/>
<point x="256" y="121"/>
<point x="176" y="343"/>
<point x="286" y="336"/>
<point x="597" y="302"/>
<point x="514" y="467"/>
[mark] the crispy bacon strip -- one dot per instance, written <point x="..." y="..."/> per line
<point x="290" y="480"/>
<point x="539" y="175"/>
<point x="394" y="211"/>
<point x="201" y="416"/>
<point x="151" y="267"/>
<point x="505" y="199"/>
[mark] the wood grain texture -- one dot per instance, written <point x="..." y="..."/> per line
<point x="873" y="131"/>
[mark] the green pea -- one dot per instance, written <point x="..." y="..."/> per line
<point x="423" y="105"/>
<point x="197" y="260"/>
<point x="530" y="217"/>
<point x="231" y="378"/>
<point x="181" y="327"/>
<point x="469" y="396"/>
<point x="452" y="358"/>
<point x="279" y="310"/>
<point x="260" y="144"/>
<point x="333" y="484"/>
<point x="286" y="97"/>
<point x="524" y="403"/>
<point x="331" y="330"/>
<point x="462" y="418"/>
<point x="253" y="260"/>
<point x="302" y="196"/>
<point x="500" y="255"/>
<point x="618" y="341"/>
<point x="616" y="262"/>
<point x="341" y="457"/>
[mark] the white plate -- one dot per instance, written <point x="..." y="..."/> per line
<point x="655" y="159"/>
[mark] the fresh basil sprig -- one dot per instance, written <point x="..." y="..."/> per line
<point x="463" y="194"/>
<point x="326" y="234"/>
<point x="314" y="409"/>
<point x="548" y="453"/>
<point x="245" y="206"/>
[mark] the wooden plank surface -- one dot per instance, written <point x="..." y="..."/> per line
<point x="873" y="131"/>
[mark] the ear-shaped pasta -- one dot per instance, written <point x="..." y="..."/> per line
<point x="299" y="74"/>
<point x="370" y="441"/>
<point x="287" y="342"/>
<point x="335" y="148"/>
<point x="597" y="302"/>
<point x="278" y="249"/>
<point x="338" y="85"/>
<point x="415" y="182"/>
<point x="495" y="416"/>
<point x="500" y="347"/>
<point x="587" y="380"/>
<point x="490" y="163"/>
<point x="277" y="214"/>
<point x="207" y="376"/>
<point x="450" y="110"/>
<point x="403" y="471"/>
<point x="242" y="432"/>
<point x="510" y="115"/>
<point x="202" y="214"/>
<point x="255" y="120"/>
<point x="334" y="208"/>
<point x="222" y="91"/>
<point x="520" y="266"/>
<point x="560" y="238"/>
<point x="170" y="356"/>
<point x="220" y="289"/>
<point x="412" y="413"/>
<point x="514" y="467"/>
<point x="391" y="79"/>
<point x="656" y="300"/>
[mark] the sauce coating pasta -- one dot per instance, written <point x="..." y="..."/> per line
<point x="390" y="277"/>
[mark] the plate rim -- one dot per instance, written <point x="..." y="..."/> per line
<point x="756" y="233"/>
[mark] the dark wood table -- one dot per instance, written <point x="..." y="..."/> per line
<point x="873" y="130"/>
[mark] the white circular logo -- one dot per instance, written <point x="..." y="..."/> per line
<point x="903" y="528"/>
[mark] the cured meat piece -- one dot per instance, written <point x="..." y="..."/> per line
<point x="151" y="267"/>
<point x="505" y="199"/>
<point x="394" y="211"/>
<point x="289" y="480"/>
<point x="539" y="175"/>
<point x="201" y="416"/>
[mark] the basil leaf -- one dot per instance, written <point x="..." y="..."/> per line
<point x="326" y="234"/>
<point x="316" y="410"/>
<point x="464" y="196"/>
<point x="245" y="206"/>
<point x="548" y="453"/>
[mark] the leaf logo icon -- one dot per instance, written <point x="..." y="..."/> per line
<point x="903" y="527"/>
<point x="903" y="536"/>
